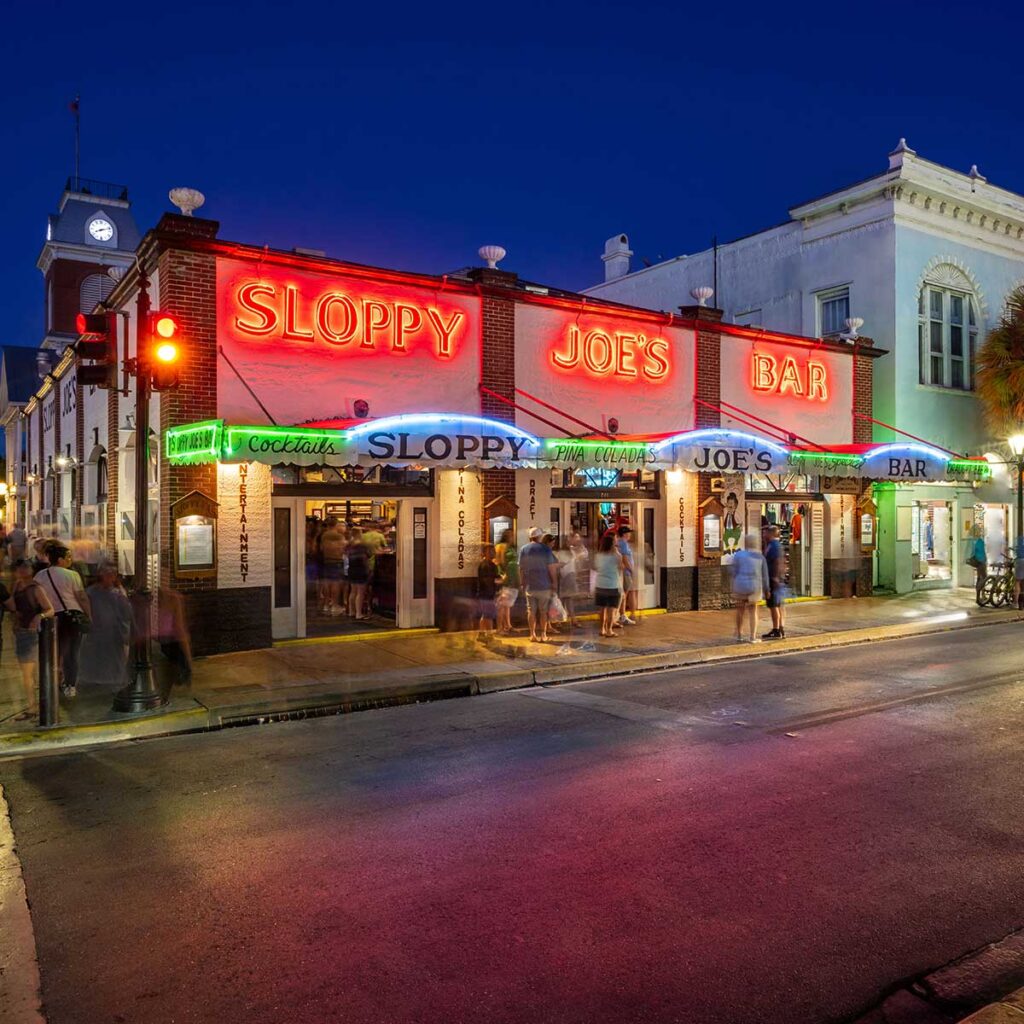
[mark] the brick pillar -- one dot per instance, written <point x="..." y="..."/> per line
<point x="709" y="576"/>
<point x="498" y="373"/>
<point x="57" y="452"/>
<point x="188" y="290"/>
<point x="862" y="393"/>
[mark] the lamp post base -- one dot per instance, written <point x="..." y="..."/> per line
<point x="142" y="693"/>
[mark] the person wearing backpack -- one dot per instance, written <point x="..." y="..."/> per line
<point x="749" y="583"/>
<point x="64" y="587"/>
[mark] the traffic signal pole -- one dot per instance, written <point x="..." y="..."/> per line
<point x="142" y="693"/>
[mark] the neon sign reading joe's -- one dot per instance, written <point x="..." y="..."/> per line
<point x="606" y="353"/>
<point x="339" y="319"/>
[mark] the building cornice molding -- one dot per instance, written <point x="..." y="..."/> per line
<point x="82" y="254"/>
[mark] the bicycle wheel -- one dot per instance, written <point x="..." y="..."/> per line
<point x="1002" y="593"/>
<point x="988" y="591"/>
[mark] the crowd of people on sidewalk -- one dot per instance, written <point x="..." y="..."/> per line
<point x="557" y="584"/>
<point x="79" y="586"/>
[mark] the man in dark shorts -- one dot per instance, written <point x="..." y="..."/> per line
<point x="775" y="598"/>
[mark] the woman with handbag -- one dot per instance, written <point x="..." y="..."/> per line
<point x="63" y="586"/>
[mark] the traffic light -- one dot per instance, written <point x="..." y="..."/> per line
<point x="164" y="351"/>
<point x="97" y="343"/>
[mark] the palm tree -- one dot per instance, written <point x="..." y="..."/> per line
<point x="1000" y="372"/>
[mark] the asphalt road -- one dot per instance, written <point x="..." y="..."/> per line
<point x="761" y="842"/>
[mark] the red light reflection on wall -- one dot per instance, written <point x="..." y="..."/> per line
<point x="605" y="352"/>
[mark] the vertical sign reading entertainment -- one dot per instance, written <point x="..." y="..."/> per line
<point x="243" y="522"/>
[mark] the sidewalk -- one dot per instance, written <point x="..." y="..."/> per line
<point x="299" y="679"/>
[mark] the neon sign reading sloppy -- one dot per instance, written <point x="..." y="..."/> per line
<point x="337" y="319"/>
<point x="810" y="383"/>
<point x="604" y="353"/>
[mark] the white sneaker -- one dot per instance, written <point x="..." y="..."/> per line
<point x="626" y="620"/>
<point x="755" y="640"/>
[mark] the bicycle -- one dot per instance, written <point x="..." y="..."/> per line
<point x="999" y="588"/>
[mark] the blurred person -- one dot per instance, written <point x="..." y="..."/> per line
<point x="30" y="605"/>
<point x="538" y="569"/>
<point x="17" y="543"/>
<point x="608" y="569"/>
<point x="66" y="591"/>
<point x="1018" y="571"/>
<point x="104" y="658"/>
<point x="505" y="557"/>
<point x="332" y="551"/>
<point x="41" y="559"/>
<point x="574" y="577"/>
<point x="775" y="558"/>
<point x="629" y="581"/>
<point x="358" y="555"/>
<point x="172" y="634"/>
<point x="488" y="583"/>
<point x="749" y="582"/>
<point x="979" y="561"/>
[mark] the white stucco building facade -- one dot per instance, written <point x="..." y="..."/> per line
<point x="925" y="256"/>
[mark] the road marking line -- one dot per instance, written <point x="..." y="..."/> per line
<point x="625" y="709"/>
<point x="20" y="995"/>
<point x="839" y="714"/>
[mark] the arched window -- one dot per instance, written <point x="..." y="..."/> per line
<point x="101" y="479"/>
<point x="95" y="288"/>
<point x="948" y="326"/>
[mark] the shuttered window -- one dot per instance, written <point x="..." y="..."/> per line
<point x="95" y="288"/>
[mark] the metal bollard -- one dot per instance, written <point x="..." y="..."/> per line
<point x="49" y="696"/>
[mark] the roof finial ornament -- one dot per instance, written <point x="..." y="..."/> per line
<point x="186" y="199"/>
<point x="975" y="175"/>
<point x="902" y="150"/>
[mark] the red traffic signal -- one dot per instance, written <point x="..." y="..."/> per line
<point x="164" y="351"/>
<point x="98" y="346"/>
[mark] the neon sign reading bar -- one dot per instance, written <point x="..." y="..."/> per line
<point x="769" y="377"/>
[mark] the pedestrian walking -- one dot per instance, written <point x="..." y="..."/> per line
<point x="775" y="557"/>
<point x="629" y="581"/>
<point x="17" y="543"/>
<point x="1018" y="571"/>
<point x="608" y="582"/>
<point x="749" y="583"/>
<point x="104" y="660"/>
<point x="574" y="578"/>
<point x="978" y="560"/>
<point x="332" y="550"/>
<point x="488" y="583"/>
<point x="173" y="636"/>
<point x="507" y="560"/>
<point x="538" y="568"/>
<point x="357" y="556"/>
<point x="30" y="605"/>
<point x="67" y="595"/>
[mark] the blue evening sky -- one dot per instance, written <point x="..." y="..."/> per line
<point x="408" y="135"/>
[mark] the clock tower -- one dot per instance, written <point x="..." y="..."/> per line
<point x="92" y="232"/>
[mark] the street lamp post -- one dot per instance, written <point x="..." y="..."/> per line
<point x="1017" y="447"/>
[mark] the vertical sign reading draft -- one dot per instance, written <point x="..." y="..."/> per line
<point x="310" y="344"/>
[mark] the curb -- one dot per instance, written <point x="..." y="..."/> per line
<point x="60" y="739"/>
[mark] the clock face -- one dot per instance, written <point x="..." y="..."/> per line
<point x="102" y="230"/>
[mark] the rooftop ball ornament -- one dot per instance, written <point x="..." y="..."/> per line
<point x="186" y="199"/>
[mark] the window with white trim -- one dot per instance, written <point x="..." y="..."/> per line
<point x="947" y="337"/>
<point x="833" y="312"/>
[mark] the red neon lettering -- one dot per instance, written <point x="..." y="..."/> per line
<point x="789" y="379"/>
<point x="590" y="360"/>
<point x="657" y="356"/>
<point x="323" y="318"/>
<point x="291" y="328"/>
<point x="408" y="319"/>
<point x="764" y="372"/>
<point x="817" y="388"/>
<point x="371" y="322"/>
<point x="445" y="331"/>
<point x="624" y="355"/>
<point x="247" y="296"/>
<point x="567" y="362"/>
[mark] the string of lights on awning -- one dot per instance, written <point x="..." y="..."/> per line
<point x="462" y="441"/>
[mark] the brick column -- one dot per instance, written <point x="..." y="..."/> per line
<point x="497" y="372"/>
<point x="863" y="384"/>
<point x="710" y="590"/>
<point x="188" y="290"/>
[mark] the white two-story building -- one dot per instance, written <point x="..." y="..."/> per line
<point x="923" y="255"/>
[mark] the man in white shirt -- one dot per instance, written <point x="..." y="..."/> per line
<point x="66" y="592"/>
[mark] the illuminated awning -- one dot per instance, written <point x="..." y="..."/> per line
<point x="459" y="441"/>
